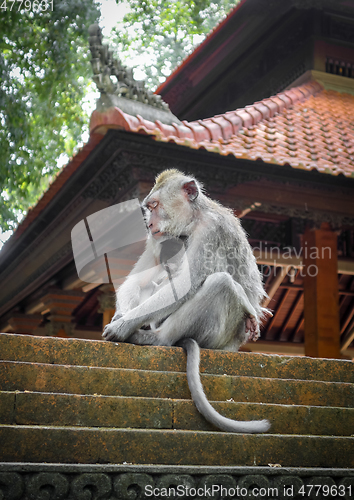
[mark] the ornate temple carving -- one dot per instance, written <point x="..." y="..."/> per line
<point x="118" y="87"/>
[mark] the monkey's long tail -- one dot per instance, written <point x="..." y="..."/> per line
<point x="195" y="386"/>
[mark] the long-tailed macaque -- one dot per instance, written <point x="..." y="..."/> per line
<point x="197" y="284"/>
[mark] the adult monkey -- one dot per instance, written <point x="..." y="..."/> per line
<point x="196" y="284"/>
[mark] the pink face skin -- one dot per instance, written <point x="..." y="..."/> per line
<point x="154" y="220"/>
<point x="177" y="201"/>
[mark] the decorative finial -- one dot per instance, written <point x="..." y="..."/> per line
<point x="105" y="66"/>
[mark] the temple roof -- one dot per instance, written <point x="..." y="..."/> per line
<point x="306" y="127"/>
<point x="258" y="50"/>
<point x="59" y="181"/>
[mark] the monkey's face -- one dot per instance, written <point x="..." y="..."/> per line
<point x="170" y="210"/>
<point x="154" y="216"/>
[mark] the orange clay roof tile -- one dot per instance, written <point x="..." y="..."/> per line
<point x="226" y="126"/>
<point x="246" y="117"/>
<point x="214" y="129"/>
<point x="273" y="106"/>
<point x="235" y="120"/>
<point x="306" y="127"/>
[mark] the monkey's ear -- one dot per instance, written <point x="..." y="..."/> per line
<point x="191" y="189"/>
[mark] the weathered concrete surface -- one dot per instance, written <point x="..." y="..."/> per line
<point x="7" y="407"/>
<point x="127" y="382"/>
<point x="88" y="445"/>
<point x="75" y="401"/>
<point x="35" y="408"/>
<point x="106" y="354"/>
<point x="27" y="481"/>
<point x="285" y="419"/>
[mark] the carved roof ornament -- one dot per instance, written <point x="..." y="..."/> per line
<point x="118" y="87"/>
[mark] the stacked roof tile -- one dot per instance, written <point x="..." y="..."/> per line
<point x="306" y="127"/>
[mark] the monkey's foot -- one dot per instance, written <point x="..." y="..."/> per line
<point x="118" y="330"/>
<point x="110" y="334"/>
<point x="252" y="328"/>
<point x="143" y="337"/>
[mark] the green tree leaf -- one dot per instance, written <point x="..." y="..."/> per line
<point x="44" y="73"/>
<point x="159" y="34"/>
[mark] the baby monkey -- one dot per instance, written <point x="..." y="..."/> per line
<point x="197" y="284"/>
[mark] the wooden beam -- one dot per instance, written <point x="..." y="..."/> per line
<point x="279" y="275"/>
<point x="348" y="339"/>
<point x="348" y="318"/>
<point x="346" y="266"/>
<point x="273" y="257"/>
<point x="279" y="308"/>
<point x="297" y="328"/>
<point x="321" y="302"/>
<point x="290" y="314"/>
<point x="291" y="196"/>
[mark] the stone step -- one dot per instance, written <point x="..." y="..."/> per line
<point x="40" y="377"/>
<point x="76" y="401"/>
<point x="145" y="446"/>
<point x="35" y="408"/>
<point x="112" y="355"/>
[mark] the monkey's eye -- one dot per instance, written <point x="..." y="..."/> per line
<point x="152" y="205"/>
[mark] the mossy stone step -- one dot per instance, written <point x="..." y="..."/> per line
<point x="40" y="377"/>
<point x="78" y="352"/>
<point x="143" y="446"/>
<point x="75" y="401"/>
<point x="35" y="408"/>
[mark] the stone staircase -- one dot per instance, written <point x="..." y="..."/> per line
<point x="73" y="401"/>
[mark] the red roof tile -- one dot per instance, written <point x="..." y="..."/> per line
<point x="306" y="127"/>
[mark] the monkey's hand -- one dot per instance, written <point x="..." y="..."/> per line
<point x="117" y="315"/>
<point x="252" y="327"/>
<point x="118" y="330"/>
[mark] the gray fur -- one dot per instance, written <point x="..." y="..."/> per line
<point x="226" y="288"/>
<point x="201" y="402"/>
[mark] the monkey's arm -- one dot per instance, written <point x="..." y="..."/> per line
<point x="157" y="307"/>
<point x="163" y="303"/>
<point x="141" y="276"/>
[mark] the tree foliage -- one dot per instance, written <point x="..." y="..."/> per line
<point x="44" y="73"/>
<point x="159" y="34"/>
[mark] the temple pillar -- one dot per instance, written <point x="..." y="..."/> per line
<point x="24" y="323"/>
<point x="107" y="304"/>
<point x="61" y="304"/>
<point x="321" y="303"/>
